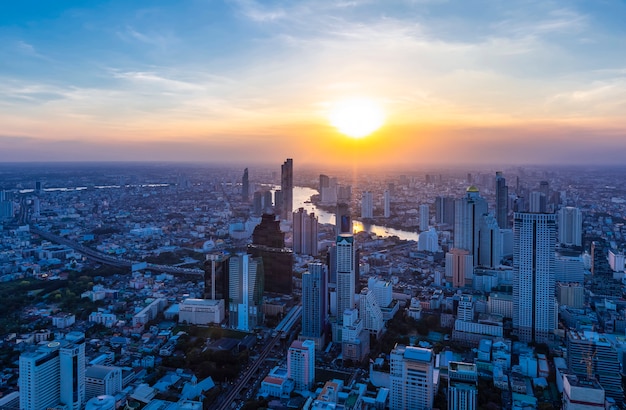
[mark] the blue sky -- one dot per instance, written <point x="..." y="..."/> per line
<point x="164" y="80"/>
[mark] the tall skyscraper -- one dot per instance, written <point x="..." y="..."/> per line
<point x="424" y="217"/>
<point x="412" y="378"/>
<point x="367" y="205"/>
<point x="537" y="202"/>
<point x="502" y="201"/>
<point x="570" y="226"/>
<point x="268" y="243"/>
<point x="301" y="364"/>
<point x="305" y="229"/>
<point x="345" y="274"/>
<point x="370" y="313"/>
<point x="286" y="187"/>
<point x="468" y="213"/>
<point x="343" y="219"/>
<point x="216" y="278"/>
<point x="444" y="210"/>
<point x="489" y="242"/>
<point x="533" y="276"/>
<point x="245" y="186"/>
<point x="314" y="301"/>
<point x="245" y="292"/>
<point x="54" y="374"/>
<point x="386" y="204"/>
<point x="462" y="386"/>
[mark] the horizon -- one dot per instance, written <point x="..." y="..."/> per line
<point x="472" y="84"/>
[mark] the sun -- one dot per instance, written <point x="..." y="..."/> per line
<point x="356" y="118"/>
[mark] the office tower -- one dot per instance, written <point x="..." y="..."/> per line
<point x="54" y="374"/>
<point x="102" y="380"/>
<point x="424" y="217"/>
<point x="301" y="364"/>
<point x="459" y="268"/>
<point x="345" y="274"/>
<point x="462" y="386"/>
<point x="468" y="213"/>
<point x="324" y="182"/>
<point x="569" y="267"/>
<point x="257" y="203"/>
<point x="370" y="313"/>
<point x="343" y="219"/>
<point x="502" y="201"/>
<point x="412" y="378"/>
<point x="305" y="233"/>
<point x="286" y="187"/>
<point x="245" y="292"/>
<point x="354" y="337"/>
<point x="328" y="190"/>
<point x="444" y="210"/>
<point x="544" y="188"/>
<point x="6" y="209"/>
<point x="386" y="204"/>
<point x="278" y="202"/>
<point x="571" y="295"/>
<point x="216" y="277"/>
<point x="367" y="205"/>
<point x="383" y="291"/>
<point x="533" y="276"/>
<point x="38" y="187"/>
<point x="245" y="187"/>
<point x="314" y="301"/>
<point x="489" y="242"/>
<point x="591" y="354"/>
<point x="570" y="226"/>
<point x="582" y="393"/>
<point x="268" y="243"/>
<point x="537" y="202"/>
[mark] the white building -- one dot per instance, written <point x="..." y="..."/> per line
<point x="370" y="313"/>
<point x="102" y="380"/>
<point x="346" y="254"/>
<point x="301" y="364"/>
<point x="570" y="226"/>
<point x="106" y="319"/>
<point x="424" y="220"/>
<point x="413" y="378"/>
<point x="367" y="205"/>
<point x="201" y="311"/>
<point x="245" y="292"/>
<point x="428" y="241"/>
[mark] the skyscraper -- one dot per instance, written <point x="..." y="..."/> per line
<point x="424" y="217"/>
<point x="286" y="187"/>
<point x="386" y="204"/>
<point x="367" y="205"/>
<point x="54" y="374"/>
<point x="345" y="274"/>
<point x="245" y="187"/>
<point x="459" y="267"/>
<point x="412" y="378"/>
<point x="570" y="226"/>
<point x="502" y="201"/>
<point x="533" y="276"/>
<point x="468" y="212"/>
<point x="216" y="278"/>
<point x="343" y="219"/>
<point x="305" y="230"/>
<point x="314" y="301"/>
<point x="245" y="292"/>
<point x="444" y="210"/>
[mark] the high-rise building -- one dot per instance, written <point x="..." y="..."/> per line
<point x="591" y="354"/>
<point x="386" y="204"/>
<point x="314" y="301"/>
<point x="301" y="364"/>
<point x="343" y="219"/>
<point x="462" y="386"/>
<point x="582" y="393"/>
<point x="534" y="315"/>
<point x="245" y="186"/>
<point x="601" y="274"/>
<point x="102" y="380"/>
<point x="459" y="267"/>
<point x="245" y="292"/>
<point x="216" y="277"/>
<point x="367" y="205"/>
<point x="444" y="210"/>
<point x="305" y="233"/>
<point x="468" y="214"/>
<point x="268" y="243"/>
<point x="424" y="217"/>
<point x="370" y="313"/>
<point x="537" y="202"/>
<point x="346" y="256"/>
<point x="286" y="187"/>
<point x="412" y="378"/>
<point x="54" y="374"/>
<point x="570" y="226"/>
<point x="502" y="201"/>
<point x="489" y="242"/>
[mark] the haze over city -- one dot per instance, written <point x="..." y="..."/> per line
<point x="253" y="82"/>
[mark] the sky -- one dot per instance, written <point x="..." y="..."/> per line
<point x="250" y="81"/>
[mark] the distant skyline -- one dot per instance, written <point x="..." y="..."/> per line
<point x="472" y="82"/>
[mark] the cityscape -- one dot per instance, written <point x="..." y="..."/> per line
<point x="191" y="286"/>
<point x="312" y="204"/>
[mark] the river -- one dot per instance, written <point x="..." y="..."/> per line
<point x="302" y="198"/>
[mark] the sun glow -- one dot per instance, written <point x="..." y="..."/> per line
<point x="356" y="118"/>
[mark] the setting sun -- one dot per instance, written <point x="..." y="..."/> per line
<point x="356" y="118"/>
